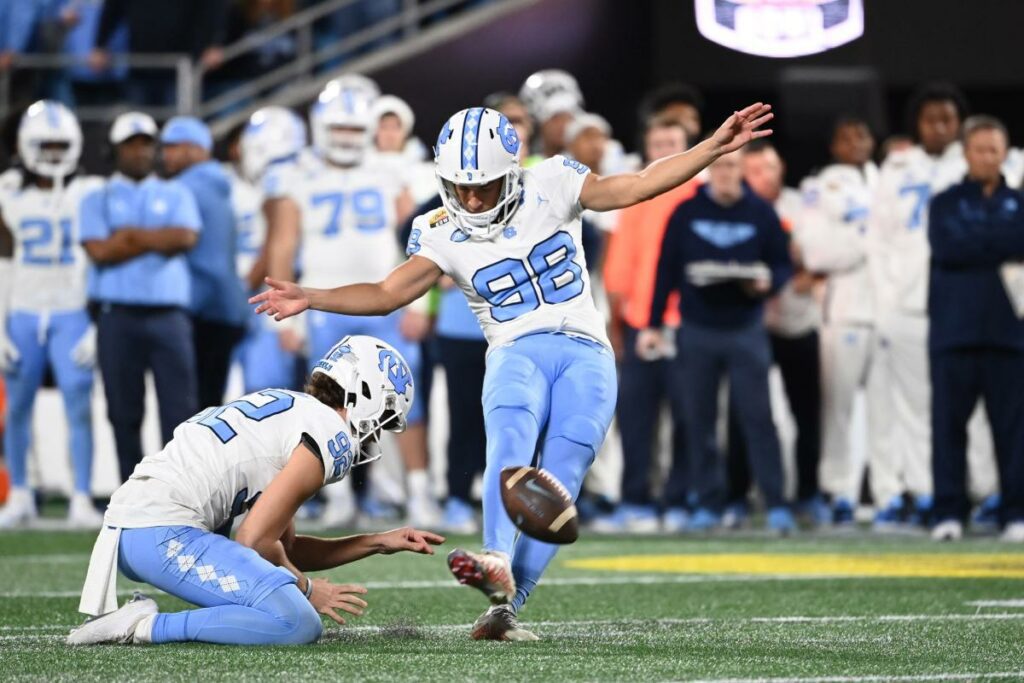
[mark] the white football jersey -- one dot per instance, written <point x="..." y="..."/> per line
<point x="410" y="168"/>
<point x="898" y="225"/>
<point x="220" y="460"/>
<point x="348" y="222"/>
<point x="531" y="277"/>
<point x="791" y="314"/>
<point x="251" y="225"/>
<point x="834" y="229"/>
<point x="49" y="262"/>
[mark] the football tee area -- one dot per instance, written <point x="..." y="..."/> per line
<point x="822" y="608"/>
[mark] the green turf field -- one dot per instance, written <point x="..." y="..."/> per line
<point x="816" y="608"/>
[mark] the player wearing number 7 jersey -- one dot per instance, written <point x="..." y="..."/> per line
<point x="264" y="454"/>
<point x="42" y="303"/>
<point x="510" y="239"/>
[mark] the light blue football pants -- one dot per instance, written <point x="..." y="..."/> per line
<point x="547" y="393"/>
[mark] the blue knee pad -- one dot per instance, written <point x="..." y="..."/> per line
<point x="299" y="621"/>
<point x="580" y="429"/>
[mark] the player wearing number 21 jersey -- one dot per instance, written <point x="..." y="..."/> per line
<point x="43" y="320"/>
<point x="510" y="238"/>
<point x="263" y="454"/>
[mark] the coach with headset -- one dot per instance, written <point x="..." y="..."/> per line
<point x="136" y="230"/>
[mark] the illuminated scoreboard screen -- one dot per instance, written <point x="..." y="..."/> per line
<point x="780" y="28"/>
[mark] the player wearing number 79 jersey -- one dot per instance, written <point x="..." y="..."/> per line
<point x="510" y="238"/>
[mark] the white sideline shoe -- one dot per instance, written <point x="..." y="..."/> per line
<point x="82" y="514"/>
<point x="422" y="512"/>
<point x="950" y="530"/>
<point x="117" y="626"/>
<point x="1013" y="533"/>
<point x="20" y="509"/>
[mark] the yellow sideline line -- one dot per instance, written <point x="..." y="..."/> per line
<point x="921" y="565"/>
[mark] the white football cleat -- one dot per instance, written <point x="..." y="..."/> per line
<point x="950" y="530"/>
<point x="1013" y="533"/>
<point x="117" y="626"/>
<point x="82" y="514"/>
<point x="489" y="571"/>
<point x="20" y="509"/>
<point x="500" y="623"/>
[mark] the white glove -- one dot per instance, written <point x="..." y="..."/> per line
<point x="9" y="355"/>
<point x="84" y="353"/>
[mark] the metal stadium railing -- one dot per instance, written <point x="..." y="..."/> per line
<point x="415" y="27"/>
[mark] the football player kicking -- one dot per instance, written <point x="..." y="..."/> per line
<point x="265" y="453"/>
<point x="510" y="238"/>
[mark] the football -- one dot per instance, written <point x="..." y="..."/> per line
<point x="539" y="505"/>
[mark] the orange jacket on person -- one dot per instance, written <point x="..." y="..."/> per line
<point x="631" y="260"/>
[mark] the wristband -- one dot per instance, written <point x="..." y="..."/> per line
<point x="309" y="588"/>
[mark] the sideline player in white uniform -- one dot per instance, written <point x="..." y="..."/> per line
<point x="340" y="216"/>
<point x="42" y="304"/>
<point x="510" y="238"/>
<point x="834" y="225"/>
<point x="273" y="139"/>
<point x="265" y="453"/>
<point x="899" y="263"/>
<point x="397" y="150"/>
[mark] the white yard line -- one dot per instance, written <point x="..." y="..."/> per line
<point x="617" y="580"/>
<point x="865" y="679"/>
<point x="21" y="631"/>
<point x="54" y="558"/>
<point x="995" y="603"/>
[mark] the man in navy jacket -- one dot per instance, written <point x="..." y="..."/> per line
<point x="976" y="340"/>
<point x="723" y="334"/>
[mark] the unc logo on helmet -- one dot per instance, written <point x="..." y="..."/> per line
<point x="443" y="136"/>
<point x="397" y="371"/>
<point x="508" y="135"/>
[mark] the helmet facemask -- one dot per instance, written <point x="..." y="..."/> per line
<point x="346" y="145"/>
<point x="49" y="140"/>
<point x="484" y="224"/>
<point x="368" y="432"/>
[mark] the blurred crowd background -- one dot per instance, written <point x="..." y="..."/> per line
<point x="845" y="396"/>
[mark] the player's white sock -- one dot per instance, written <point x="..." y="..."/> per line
<point x="418" y="484"/>
<point x="144" y="630"/>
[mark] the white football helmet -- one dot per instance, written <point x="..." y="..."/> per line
<point x="342" y="121"/>
<point x="379" y="389"/>
<point x="272" y="134"/>
<point x="367" y="87"/>
<point x="477" y="146"/>
<point x="542" y="86"/>
<point x="49" y="140"/>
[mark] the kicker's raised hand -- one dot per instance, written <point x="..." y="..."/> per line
<point x="743" y="126"/>
<point x="282" y="299"/>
